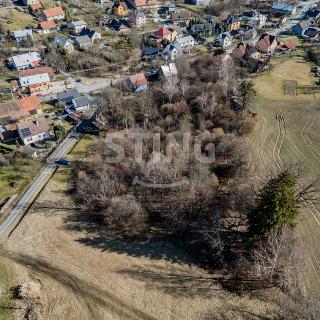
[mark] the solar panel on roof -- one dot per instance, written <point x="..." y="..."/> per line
<point x="25" y="132"/>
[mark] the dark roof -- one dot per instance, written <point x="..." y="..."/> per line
<point x="231" y="20"/>
<point x="311" y="32"/>
<point x="87" y="32"/>
<point x="81" y="102"/>
<point x="69" y="95"/>
<point x="151" y="51"/>
<point x="200" y="27"/>
<point x="176" y="16"/>
<point x="182" y="25"/>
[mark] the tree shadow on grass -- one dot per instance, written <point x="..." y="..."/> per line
<point x="179" y="281"/>
<point x="149" y="245"/>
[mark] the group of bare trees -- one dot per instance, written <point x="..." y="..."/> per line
<point x="204" y="202"/>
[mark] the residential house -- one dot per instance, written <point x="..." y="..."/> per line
<point x="182" y="25"/>
<point x="223" y="40"/>
<point x="120" y="9"/>
<point x="80" y="104"/>
<point x="298" y="28"/>
<point x="36" y="8"/>
<point x="200" y="2"/>
<point x="25" y="61"/>
<point x="48" y="26"/>
<point x="76" y="26"/>
<point x="254" y="18"/>
<point x="138" y="83"/>
<point x="186" y="43"/>
<point x="245" y="50"/>
<point x="283" y="8"/>
<point x="313" y="13"/>
<point x="151" y="53"/>
<point x="267" y="43"/>
<point x="135" y="4"/>
<point x="117" y="24"/>
<point x="34" y="84"/>
<point x="55" y="13"/>
<point x="29" y="2"/>
<point x="92" y="34"/>
<point x="14" y="111"/>
<point x="171" y="52"/>
<point x="248" y="34"/>
<point x="285" y="47"/>
<point x="202" y="29"/>
<point x="65" y="98"/>
<point x="17" y="110"/>
<point x="232" y="23"/>
<point x="21" y="36"/>
<point x="137" y="19"/>
<point x="33" y="131"/>
<point x="181" y="16"/>
<point x="64" y="43"/>
<point x="165" y="34"/>
<point x="82" y="42"/>
<point x="35" y="71"/>
<point x="169" y="70"/>
<point x="312" y="33"/>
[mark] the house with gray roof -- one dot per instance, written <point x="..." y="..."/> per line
<point x="186" y="43"/>
<point x="82" y="42"/>
<point x="76" y="26"/>
<point x="22" y="35"/>
<point x="64" y="43"/>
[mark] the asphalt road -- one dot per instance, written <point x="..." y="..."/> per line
<point x="38" y="183"/>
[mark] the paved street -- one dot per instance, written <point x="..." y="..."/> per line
<point x="38" y="183"/>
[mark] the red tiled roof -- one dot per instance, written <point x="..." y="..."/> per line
<point x="16" y="109"/>
<point x="162" y="32"/>
<point x="27" y="104"/>
<point x="40" y="70"/>
<point x="53" y="12"/>
<point x="48" y="25"/>
<point x="138" y="79"/>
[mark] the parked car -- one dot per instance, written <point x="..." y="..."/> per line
<point x="63" y="162"/>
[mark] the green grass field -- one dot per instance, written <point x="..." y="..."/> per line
<point x="298" y="141"/>
<point x="13" y="19"/>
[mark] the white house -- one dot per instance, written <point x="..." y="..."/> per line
<point x="223" y="40"/>
<point x="169" y="70"/>
<point x="171" y="51"/>
<point x="64" y="43"/>
<point x="33" y="131"/>
<point x="25" y="61"/>
<point x="22" y="35"/>
<point x="91" y="33"/>
<point x="186" y="42"/>
<point x="34" y="80"/>
<point x="254" y="18"/>
<point x="50" y="14"/>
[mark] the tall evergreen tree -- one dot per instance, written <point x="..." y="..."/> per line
<point x="277" y="205"/>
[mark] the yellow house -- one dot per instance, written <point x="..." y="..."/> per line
<point x="120" y="9"/>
